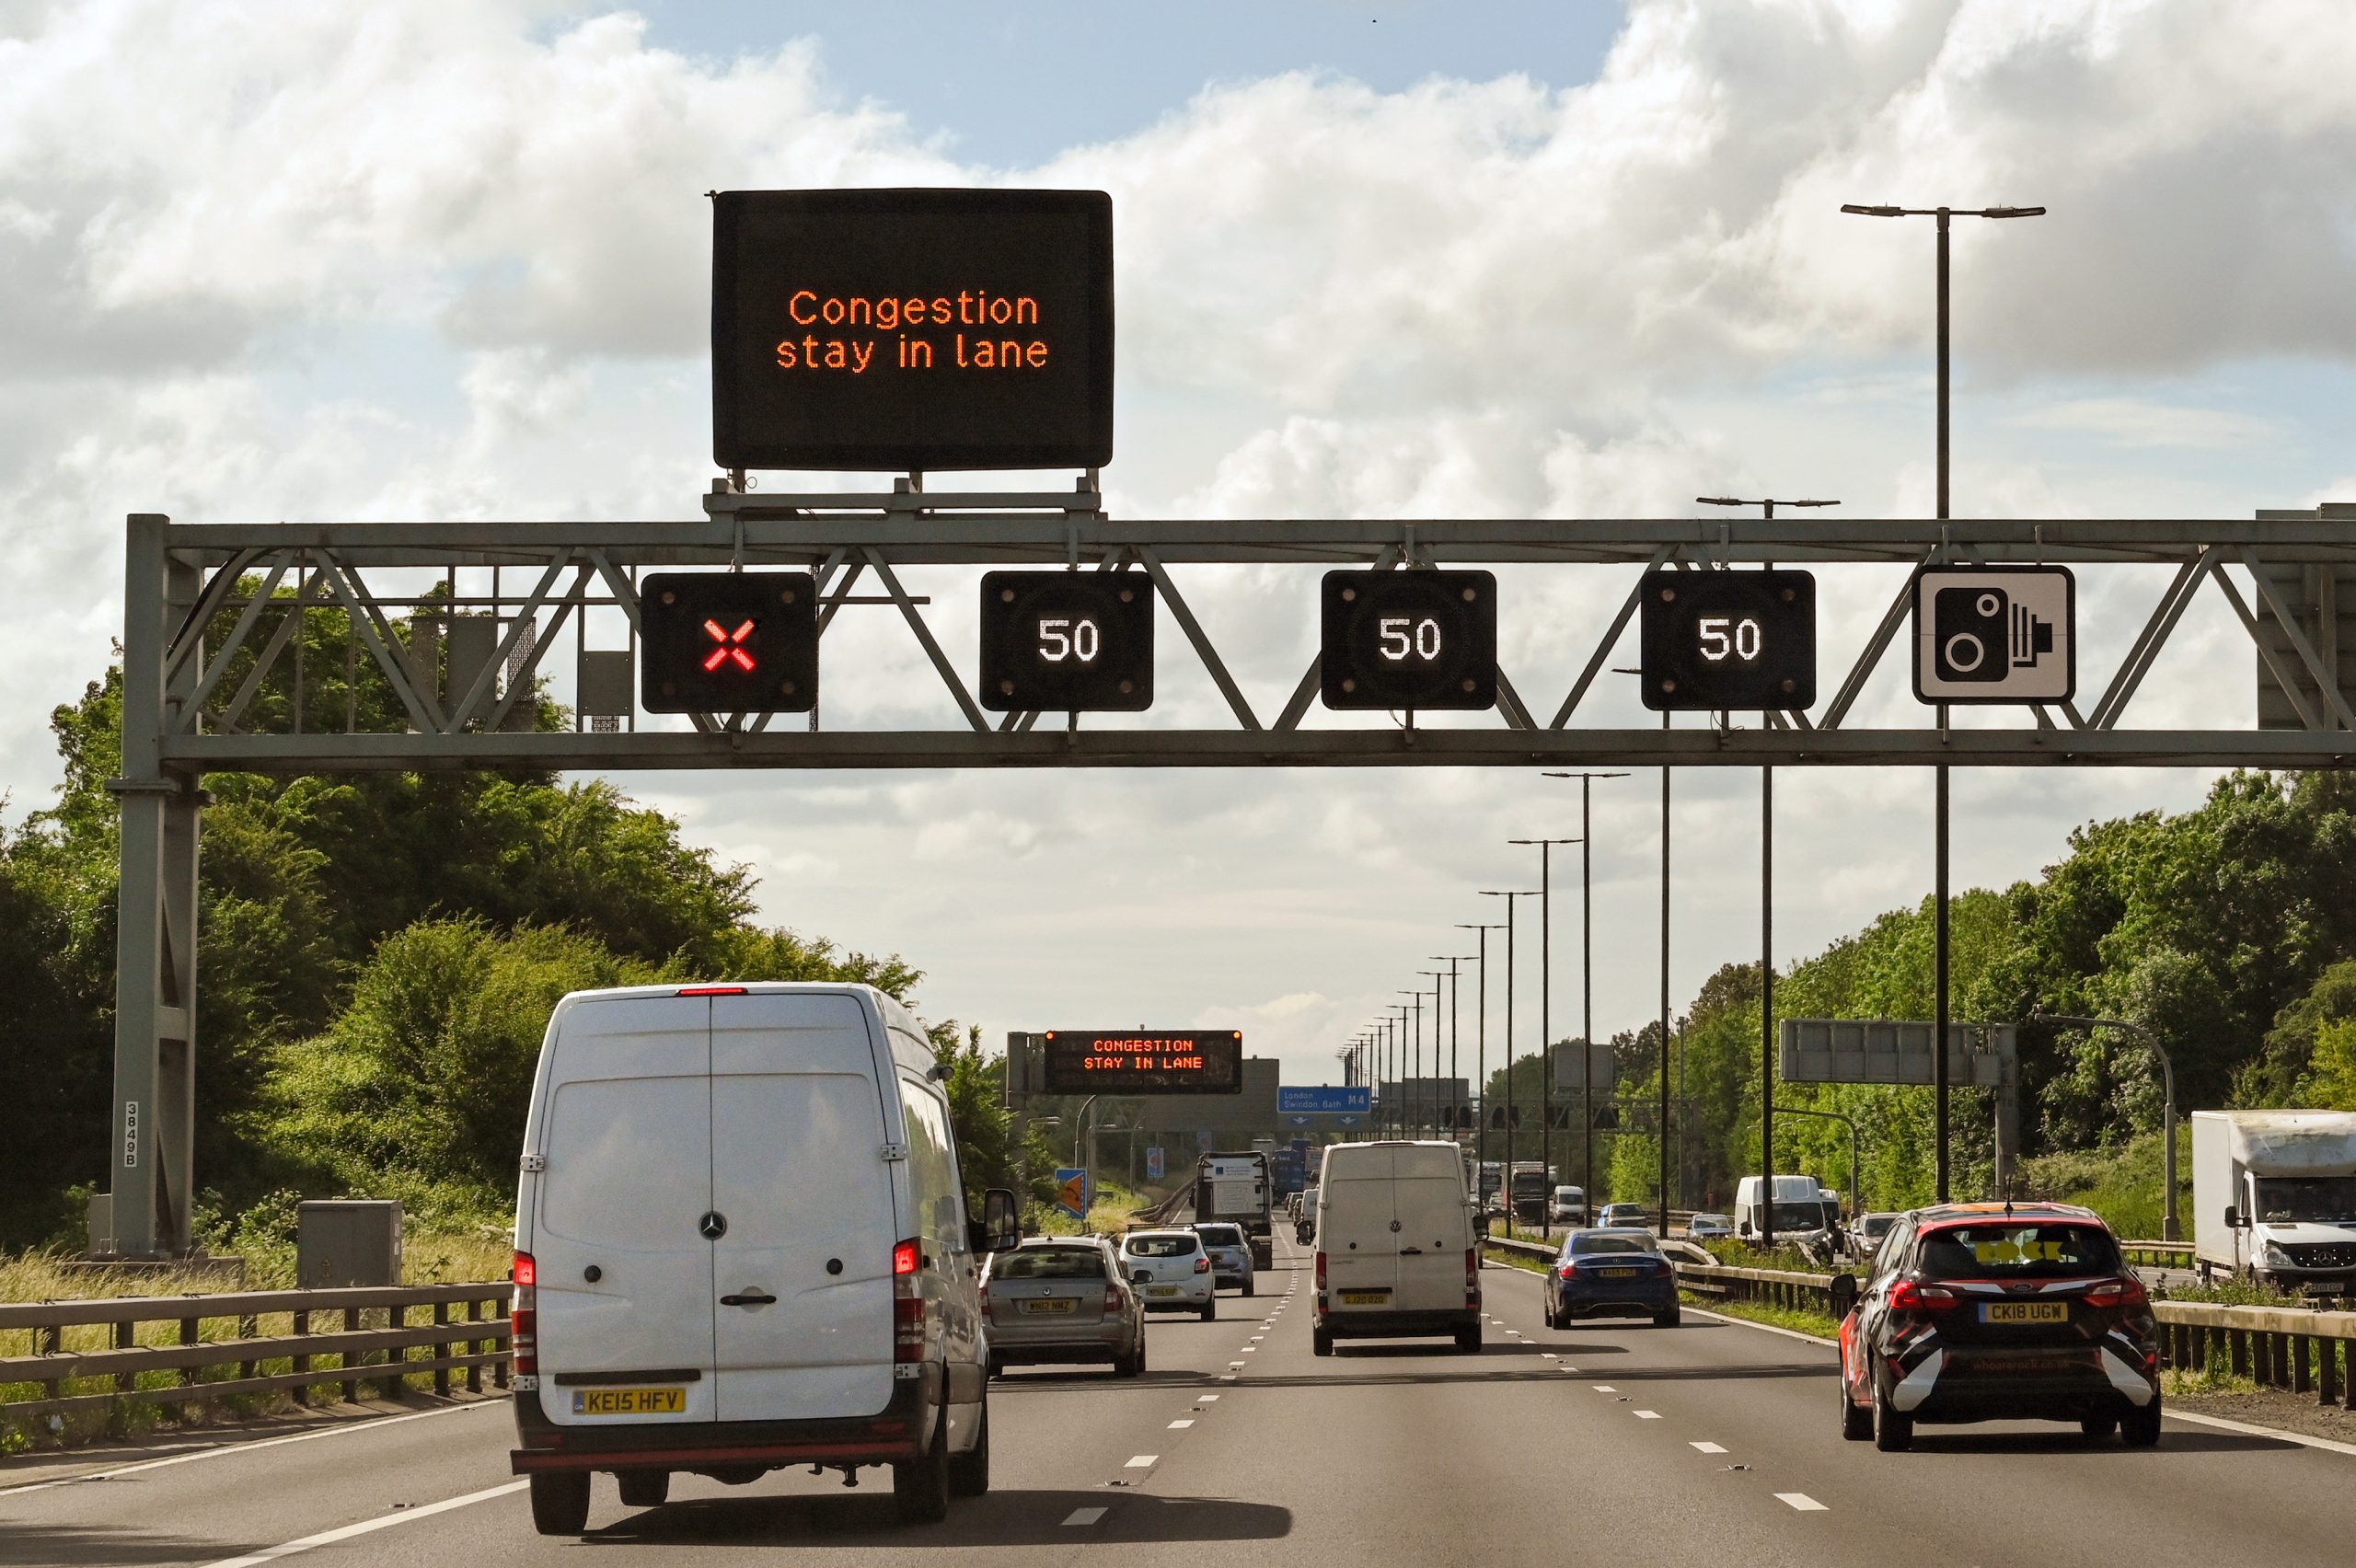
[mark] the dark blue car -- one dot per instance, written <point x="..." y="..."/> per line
<point x="1611" y="1273"/>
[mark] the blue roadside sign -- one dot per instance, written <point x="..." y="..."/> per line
<point x="1073" y="1190"/>
<point x="1326" y="1101"/>
<point x="1153" y="1166"/>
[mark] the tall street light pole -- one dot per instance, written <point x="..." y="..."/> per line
<point x="1545" y="1018"/>
<point x="2170" y="1230"/>
<point x="1455" y="995"/>
<point x="1766" y="922"/>
<point x="1481" y="1048"/>
<point x="1939" y="850"/>
<point x="1586" y="974"/>
<point x="1505" y="1173"/>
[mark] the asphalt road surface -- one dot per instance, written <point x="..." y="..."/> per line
<point x="1618" y="1442"/>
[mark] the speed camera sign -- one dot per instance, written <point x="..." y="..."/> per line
<point x="1993" y="634"/>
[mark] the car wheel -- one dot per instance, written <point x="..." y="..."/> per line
<point x="1856" y="1420"/>
<point x="1321" y="1342"/>
<point x="969" y="1473"/>
<point x="2097" y="1427"/>
<point x="1893" y="1430"/>
<point x="1668" y="1320"/>
<point x="644" y="1489"/>
<point x="1547" y="1310"/>
<point x="1247" y="1288"/>
<point x="1210" y="1311"/>
<point x="2141" y="1428"/>
<point x="920" y="1485"/>
<point x="561" y="1502"/>
<point x="1468" y="1340"/>
<point x="993" y="1369"/>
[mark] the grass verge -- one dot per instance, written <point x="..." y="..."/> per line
<point x="1816" y="1323"/>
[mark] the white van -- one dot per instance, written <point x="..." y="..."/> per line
<point x="741" y="1243"/>
<point x="1397" y="1253"/>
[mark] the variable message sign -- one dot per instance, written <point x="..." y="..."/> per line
<point x="911" y="330"/>
<point x="1138" y="1061"/>
<point x="728" y="642"/>
<point x="1408" y="639"/>
<point x="1714" y="639"/>
<point x="1067" y="642"/>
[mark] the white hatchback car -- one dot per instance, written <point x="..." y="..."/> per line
<point x="1171" y="1272"/>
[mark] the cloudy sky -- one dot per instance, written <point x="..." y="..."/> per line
<point x="449" y="259"/>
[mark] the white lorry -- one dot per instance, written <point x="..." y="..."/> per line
<point x="1235" y="1188"/>
<point x="2274" y="1198"/>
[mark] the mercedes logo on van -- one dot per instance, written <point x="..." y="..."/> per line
<point x="714" y="1225"/>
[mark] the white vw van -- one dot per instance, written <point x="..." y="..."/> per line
<point x="742" y="1242"/>
<point x="1397" y="1254"/>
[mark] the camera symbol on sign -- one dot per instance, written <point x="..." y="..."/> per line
<point x="1982" y="634"/>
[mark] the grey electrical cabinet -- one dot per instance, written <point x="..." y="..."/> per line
<point x="341" y="1242"/>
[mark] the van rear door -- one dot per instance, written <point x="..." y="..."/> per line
<point x="1354" y="1231"/>
<point x="1427" y="1199"/>
<point x="627" y="1140"/>
<point x="798" y="1130"/>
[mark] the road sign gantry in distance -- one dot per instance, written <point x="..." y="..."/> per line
<point x="728" y="642"/>
<point x="1410" y="640"/>
<point x="1141" y="1061"/>
<point x="1067" y="642"/>
<point x="1727" y="639"/>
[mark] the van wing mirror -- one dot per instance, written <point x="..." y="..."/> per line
<point x="1844" y="1293"/>
<point x="2235" y="1218"/>
<point x="1002" y="1224"/>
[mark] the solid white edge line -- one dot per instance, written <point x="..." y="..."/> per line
<point x="221" y="1451"/>
<point x="2255" y="1431"/>
<point x="365" y="1526"/>
<point x="1763" y="1328"/>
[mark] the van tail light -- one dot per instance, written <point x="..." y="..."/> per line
<point x="711" y="991"/>
<point x="907" y="1304"/>
<point x="1906" y="1295"/>
<point x="2117" y="1293"/>
<point x="523" y="1316"/>
<point x="1320" y="1273"/>
<point x="1471" y="1277"/>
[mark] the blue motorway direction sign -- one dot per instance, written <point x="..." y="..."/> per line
<point x="1326" y="1101"/>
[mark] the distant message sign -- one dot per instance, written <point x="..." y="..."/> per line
<point x="1088" y="1061"/>
<point x="912" y="329"/>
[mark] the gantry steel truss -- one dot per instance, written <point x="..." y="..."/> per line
<point x="184" y="714"/>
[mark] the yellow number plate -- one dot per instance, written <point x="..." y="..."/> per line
<point x="629" y="1401"/>
<point x="1364" y="1297"/>
<point x="1047" y="1306"/>
<point x="2024" y="1312"/>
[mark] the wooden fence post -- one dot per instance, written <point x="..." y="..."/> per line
<point x="301" y="1392"/>
<point x="442" y="1351"/>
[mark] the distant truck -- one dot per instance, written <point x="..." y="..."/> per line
<point x="2274" y="1198"/>
<point x="1236" y="1187"/>
<point x="1288" y="1169"/>
<point x="1532" y="1186"/>
<point x="1800" y="1207"/>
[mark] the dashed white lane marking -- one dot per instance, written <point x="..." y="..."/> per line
<point x="366" y="1527"/>
<point x="1647" y="1414"/>
<point x="1801" y="1501"/>
<point x="1204" y="1399"/>
<point x="1227" y="1377"/>
<point x="1085" y="1516"/>
<point x="1547" y="1354"/>
<point x="222" y="1451"/>
<point x="1709" y="1447"/>
<point x="1603" y="1388"/>
<point x="1140" y="1461"/>
<point x="1180" y="1425"/>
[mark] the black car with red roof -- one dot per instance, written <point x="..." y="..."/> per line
<point x="2000" y="1312"/>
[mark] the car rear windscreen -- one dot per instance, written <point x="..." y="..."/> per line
<point x="2015" y="1249"/>
<point x="1161" y="1246"/>
<point x="1220" y="1236"/>
<point x="1049" y="1262"/>
<point x="1589" y="1243"/>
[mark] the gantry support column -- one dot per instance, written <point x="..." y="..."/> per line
<point x="154" y="1027"/>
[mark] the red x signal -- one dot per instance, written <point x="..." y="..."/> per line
<point x="731" y="646"/>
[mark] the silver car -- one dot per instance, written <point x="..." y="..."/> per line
<point x="1063" y="1299"/>
<point x="1708" y="1227"/>
<point x="1231" y="1253"/>
<point x="1171" y="1270"/>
